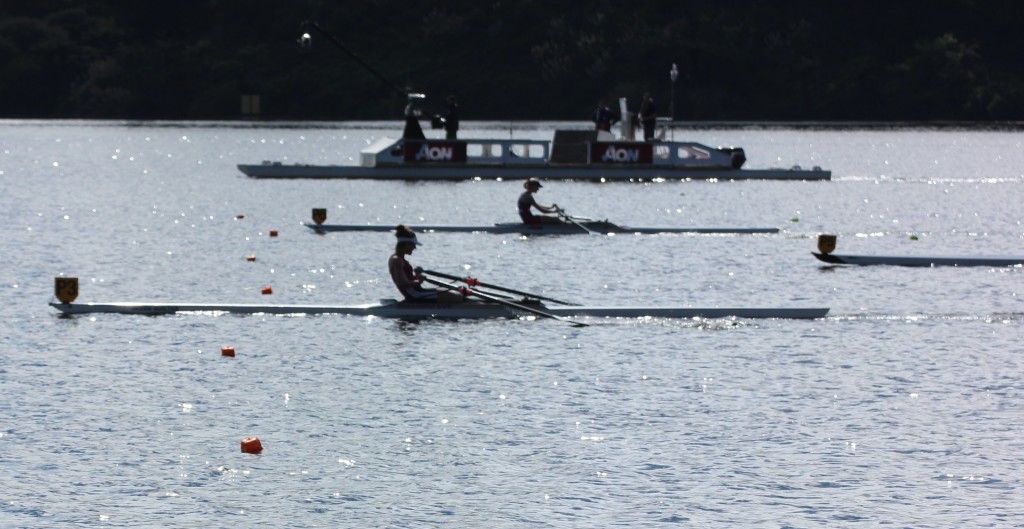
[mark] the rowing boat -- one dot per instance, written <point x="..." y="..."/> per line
<point x="865" y="260"/>
<point x="603" y="227"/>
<point x="827" y="243"/>
<point x="389" y="308"/>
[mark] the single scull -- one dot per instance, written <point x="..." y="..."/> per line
<point x="827" y="244"/>
<point x="893" y="260"/>
<point x="601" y="226"/>
<point x="390" y="308"/>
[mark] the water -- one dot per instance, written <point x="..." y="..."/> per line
<point x="902" y="409"/>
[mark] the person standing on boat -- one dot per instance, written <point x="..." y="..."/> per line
<point x="604" y="118"/>
<point x="408" y="282"/>
<point x="527" y="201"/>
<point x="451" y="119"/>
<point x="412" y="130"/>
<point x="648" y="116"/>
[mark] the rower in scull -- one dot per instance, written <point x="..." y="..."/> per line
<point x="527" y="201"/>
<point x="408" y="282"/>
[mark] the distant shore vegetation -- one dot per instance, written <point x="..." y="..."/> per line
<point x="553" y="59"/>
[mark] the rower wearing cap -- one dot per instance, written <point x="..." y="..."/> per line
<point x="408" y="282"/>
<point x="526" y="201"/>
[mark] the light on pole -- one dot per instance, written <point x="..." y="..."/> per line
<point x="673" y="74"/>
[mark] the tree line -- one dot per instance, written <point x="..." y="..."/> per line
<point x="797" y="60"/>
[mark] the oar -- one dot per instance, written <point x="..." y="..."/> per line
<point x="502" y="296"/>
<point x="474" y="282"/>
<point x="561" y="213"/>
<point x="517" y="306"/>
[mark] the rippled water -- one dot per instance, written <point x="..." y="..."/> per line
<point x="901" y="409"/>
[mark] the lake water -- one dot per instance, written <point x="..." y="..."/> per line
<point x="903" y="408"/>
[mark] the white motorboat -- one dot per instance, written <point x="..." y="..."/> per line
<point x="572" y="155"/>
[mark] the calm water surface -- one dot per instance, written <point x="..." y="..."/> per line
<point x="903" y="408"/>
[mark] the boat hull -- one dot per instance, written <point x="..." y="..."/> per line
<point x="594" y="173"/>
<point x="419" y="311"/>
<point x="866" y="260"/>
<point x="538" y="229"/>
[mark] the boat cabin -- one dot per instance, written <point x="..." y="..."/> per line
<point x="569" y="148"/>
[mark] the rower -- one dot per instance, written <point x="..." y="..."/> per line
<point x="527" y="201"/>
<point x="408" y="282"/>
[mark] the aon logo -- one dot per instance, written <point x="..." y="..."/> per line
<point x="618" y="154"/>
<point x="434" y="153"/>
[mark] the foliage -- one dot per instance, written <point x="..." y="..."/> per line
<point x="530" y="59"/>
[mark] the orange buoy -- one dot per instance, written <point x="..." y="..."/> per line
<point x="239" y="216"/>
<point x="267" y="291"/>
<point x="250" y="258"/>
<point x="252" y="445"/>
<point x="273" y="233"/>
<point x="227" y="350"/>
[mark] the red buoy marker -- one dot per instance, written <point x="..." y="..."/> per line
<point x="252" y="445"/>
<point x="250" y="258"/>
<point x="267" y="291"/>
<point x="227" y="350"/>
<point x="273" y="233"/>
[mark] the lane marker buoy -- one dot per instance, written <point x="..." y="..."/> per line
<point x="273" y="233"/>
<point x="250" y="258"/>
<point x="826" y="243"/>
<point x="239" y="216"/>
<point x="227" y="350"/>
<point x="65" y="289"/>
<point x="267" y="291"/>
<point x="252" y="445"/>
